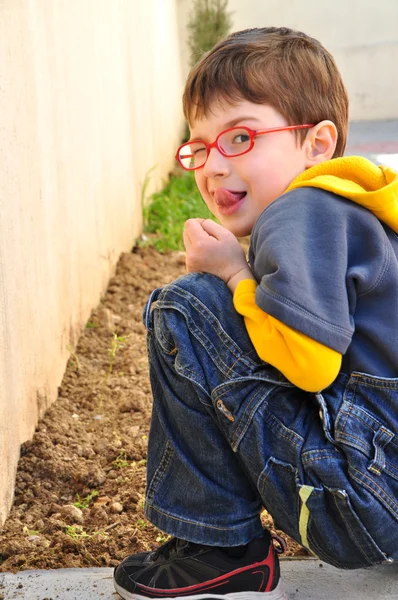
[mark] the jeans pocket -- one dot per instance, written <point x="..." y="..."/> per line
<point x="366" y="430"/>
<point x="321" y="519"/>
<point x="333" y="531"/>
<point x="277" y="485"/>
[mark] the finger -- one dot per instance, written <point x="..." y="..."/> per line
<point x="187" y="240"/>
<point x="194" y="229"/>
<point x="214" y="229"/>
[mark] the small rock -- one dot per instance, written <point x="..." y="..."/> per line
<point x="72" y="513"/>
<point x="116" y="508"/>
<point x="133" y="431"/>
<point x="102" y="501"/>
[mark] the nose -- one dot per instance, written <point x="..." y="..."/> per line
<point x="216" y="165"/>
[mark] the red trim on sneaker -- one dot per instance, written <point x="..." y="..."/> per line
<point x="269" y="562"/>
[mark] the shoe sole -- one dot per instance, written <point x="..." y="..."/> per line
<point x="277" y="594"/>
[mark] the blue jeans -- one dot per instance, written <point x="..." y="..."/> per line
<point x="230" y="435"/>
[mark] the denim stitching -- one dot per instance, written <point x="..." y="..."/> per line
<point x="262" y="479"/>
<point x="196" y="523"/>
<point x="283" y="431"/>
<point x="246" y="418"/>
<point x="349" y="527"/>
<point x="343" y="415"/>
<point x="383" y="383"/>
<point x="161" y="469"/>
<point x="381" y="440"/>
<point x="316" y="455"/>
<point x="210" y="318"/>
<point x="203" y="339"/>
<point x="184" y="372"/>
<point x="320" y="553"/>
<point x="205" y="313"/>
<point x="373" y="487"/>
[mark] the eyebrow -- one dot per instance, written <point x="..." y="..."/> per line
<point x="229" y="124"/>
<point x="234" y="122"/>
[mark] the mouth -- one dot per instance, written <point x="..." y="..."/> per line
<point x="228" y="201"/>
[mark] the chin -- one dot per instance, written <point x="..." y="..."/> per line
<point x="239" y="231"/>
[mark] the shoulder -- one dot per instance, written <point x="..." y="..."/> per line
<point x="316" y="201"/>
<point x="309" y="208"/>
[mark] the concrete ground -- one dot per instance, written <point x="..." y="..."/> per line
<point x="307" y="579"/>
<point x="304" y="579"/>
<point x="376" y="140"/>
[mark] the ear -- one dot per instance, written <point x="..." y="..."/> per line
<point x="320" y="143"/>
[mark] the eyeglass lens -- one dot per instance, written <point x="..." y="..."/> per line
<point x="235" y="141"/>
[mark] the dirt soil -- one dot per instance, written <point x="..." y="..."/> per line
<point x="81" y="479"/>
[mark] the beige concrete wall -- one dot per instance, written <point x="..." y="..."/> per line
<point x="89" y="103"/>
<point x="361" y="34"/>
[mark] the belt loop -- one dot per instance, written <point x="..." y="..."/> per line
<point x="325" y="418"/>
<point x="381" y="438"/>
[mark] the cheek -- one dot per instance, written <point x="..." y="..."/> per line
<point x="201" y="185"/>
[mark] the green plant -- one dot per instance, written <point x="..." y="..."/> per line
<point x="118" y="342"/>
<point x="208" y="23"/>
<point x="162" y="538"/>
<point x="85" y="502"/>
<point x="73" y="358"/>
<point x="167" y="211"/>
<point x="76" y="532"/>
<point x="120" y="461"/>
<point x="141" y="524"/>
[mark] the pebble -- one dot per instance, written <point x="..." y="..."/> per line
<point x="116" y="508"/>
<point x="72" y="513"/>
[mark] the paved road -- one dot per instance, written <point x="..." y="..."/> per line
<point x="376" y="140"/>
<point x="303" y="579"/>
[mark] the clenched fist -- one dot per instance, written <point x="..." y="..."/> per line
<point x="213" y="249"/>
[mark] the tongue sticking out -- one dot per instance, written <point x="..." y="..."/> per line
<point x="224" y="197"/>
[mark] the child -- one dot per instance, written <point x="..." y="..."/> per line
<point x="275" y="384"/>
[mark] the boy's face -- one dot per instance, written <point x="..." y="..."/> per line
<point x="237" y="189"/>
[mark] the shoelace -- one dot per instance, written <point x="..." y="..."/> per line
<point x="167" y="547"/>
<point x="281" y="548"/>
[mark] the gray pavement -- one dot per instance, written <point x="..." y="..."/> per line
<point x="306" y="579"/>
<point x="376" y="140"/>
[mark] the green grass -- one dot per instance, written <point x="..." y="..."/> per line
<point x="167" y="211"/>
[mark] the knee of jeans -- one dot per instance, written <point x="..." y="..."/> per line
<point x="147" y="311"/>
<point x="200" y="284"/>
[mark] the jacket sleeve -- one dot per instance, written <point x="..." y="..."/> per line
<point x="305" y="362"/>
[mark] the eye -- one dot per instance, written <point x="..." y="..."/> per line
<point x="198" y="150"/>
<point x="241" y="138"/>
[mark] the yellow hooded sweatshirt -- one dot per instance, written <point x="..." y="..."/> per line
<point x="305" y="362"/>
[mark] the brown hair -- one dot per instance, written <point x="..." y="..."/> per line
<point x="285" y="69"/>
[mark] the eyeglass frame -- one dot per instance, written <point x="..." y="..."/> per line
<point x="252" y="133"/>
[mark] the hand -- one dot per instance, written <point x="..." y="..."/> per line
<point x="213" y="249"/>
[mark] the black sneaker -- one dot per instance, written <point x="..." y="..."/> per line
<point x="180" y="569"/>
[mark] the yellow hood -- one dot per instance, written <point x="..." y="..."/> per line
<point x="359" y="180"/>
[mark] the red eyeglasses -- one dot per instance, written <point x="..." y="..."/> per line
<point x="231" y="142"/>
